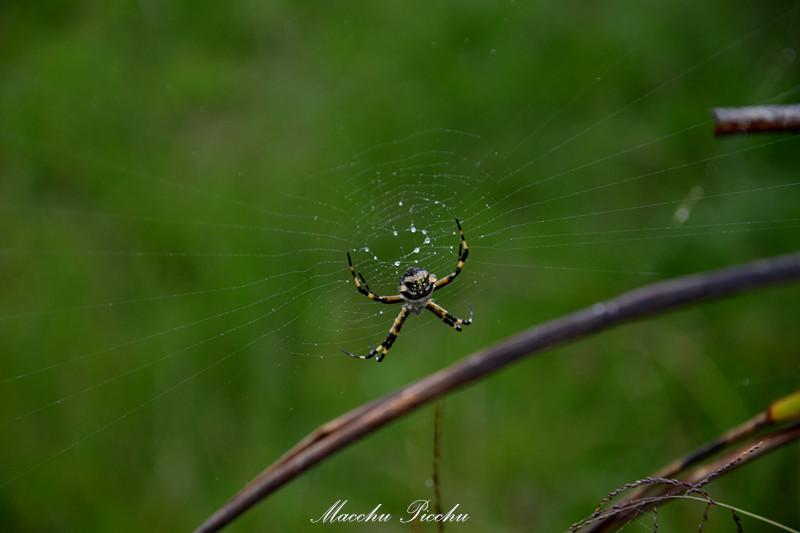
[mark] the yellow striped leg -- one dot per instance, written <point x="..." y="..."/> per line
<point x="451" y="320"/>
<point x="463" y="252"/>
<point x="364" y="289"/>
<point x="383" y="349"/>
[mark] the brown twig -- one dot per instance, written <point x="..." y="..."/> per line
<point x="644" y="499"/>
<point x="756" y="119"/>
<point x="776" y="413"/>
<point x="437" y="449"/>
<point x="780" y="411"/>
<point x="639" y="303"/>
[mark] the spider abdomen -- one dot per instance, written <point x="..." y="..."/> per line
<point x="417" y="306"/>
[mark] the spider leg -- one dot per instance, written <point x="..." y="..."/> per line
<point x="364" y="289"/>
<point x="383" y="349"/>
<point x="451" y="320"/>
<point x="463" y="252"/>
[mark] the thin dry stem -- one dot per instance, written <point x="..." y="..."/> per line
<point x="662" y="490"/>
<point x="637" y="304"/>
<point x="756" y="119"/>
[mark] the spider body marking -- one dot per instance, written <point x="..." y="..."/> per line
<point x="415" y="289"/>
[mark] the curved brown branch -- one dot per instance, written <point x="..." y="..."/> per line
<point x="756" y="119"/>
<point x="639" y="303"/>
<point x="662" y="490"/>
<point x="778" y="412"/>
<point x="643" y="496"/>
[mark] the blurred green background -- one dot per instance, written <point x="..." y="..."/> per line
<point x="179" y="184"/>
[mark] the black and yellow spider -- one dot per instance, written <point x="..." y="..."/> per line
<point x="416" y="287"/>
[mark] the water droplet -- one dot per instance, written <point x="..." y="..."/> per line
<point x="397" y="263"/>
<point x="394" y="233"/>
<point x="366" y="249"/>
<point x="416" y="250"/>
<point x="681" y="215"/>
<point x="413" y="229"/>
<point x="400" y="203"/>
<point x="427" y="240"/>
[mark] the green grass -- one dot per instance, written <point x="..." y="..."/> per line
<point x="127" y="131"/>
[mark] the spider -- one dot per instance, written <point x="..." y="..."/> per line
<point x="416" y="287"/>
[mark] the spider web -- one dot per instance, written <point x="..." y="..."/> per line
<point x="178" y="291"/>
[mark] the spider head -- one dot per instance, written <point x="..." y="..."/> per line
<point x="416" y="284"/>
